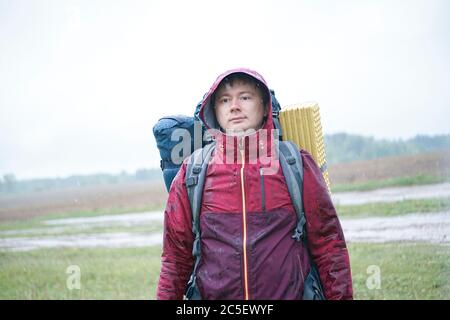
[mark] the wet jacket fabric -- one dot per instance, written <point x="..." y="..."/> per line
<point x="247" y="220"/>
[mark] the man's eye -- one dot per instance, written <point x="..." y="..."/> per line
<point x="224" y="100"/>
<point x="246" y="98"/>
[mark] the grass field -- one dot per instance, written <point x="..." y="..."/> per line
<point x="393" y="182"/>
<point x="407" y="271"/>
<point x="389" y="209"/>
<point x="104" y="273"/>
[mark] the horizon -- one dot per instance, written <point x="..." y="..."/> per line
<point x="132" y="171"/>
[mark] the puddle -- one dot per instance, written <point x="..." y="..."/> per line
<point x="105" y="240"/>
<point x="392" y="194"/>
<point x="432" y="228"/>
<point x="82" y="224"/>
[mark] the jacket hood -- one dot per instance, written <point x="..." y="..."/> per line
<point x="207" y="114"/>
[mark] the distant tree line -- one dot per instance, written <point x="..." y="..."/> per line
<point x="344" y="147"/>
<point x="340" y="147"/>
<point x="9" y="183"/>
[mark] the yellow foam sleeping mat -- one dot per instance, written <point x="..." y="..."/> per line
<point x="300" y="123"/>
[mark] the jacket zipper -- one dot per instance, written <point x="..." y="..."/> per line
<point x="244" y="223"/>
<point x="263" y="193"/>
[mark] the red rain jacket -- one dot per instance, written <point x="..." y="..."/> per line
<point x="247" y="221"/>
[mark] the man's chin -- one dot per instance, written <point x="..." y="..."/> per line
<point x="239" y="131"/>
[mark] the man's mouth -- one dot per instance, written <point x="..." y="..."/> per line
<point x="237" y="119"/>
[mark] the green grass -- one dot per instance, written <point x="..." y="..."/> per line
<point x="101" y="212"/>
<point x="127" y="273"/>
<point x="407" y="271"/>
<point x="384" y="209"/>
<point x="394" y="182"/>
<point x="45" y="231"/>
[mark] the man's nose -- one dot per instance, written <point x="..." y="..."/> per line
<point x="235" y="104"/>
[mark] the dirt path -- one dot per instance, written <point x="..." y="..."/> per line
<point x="104" y="240"/>
<point x="432" y="228"/>
<point x="393" y="194"/>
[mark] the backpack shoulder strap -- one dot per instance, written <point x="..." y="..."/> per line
<point x="197" y="166"/>
<point x="292" y="166"/>
<point x="195" y="179"/>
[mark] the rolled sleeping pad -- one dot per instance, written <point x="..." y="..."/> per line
<point x="300" y="123"/>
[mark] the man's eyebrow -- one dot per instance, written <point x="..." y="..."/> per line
<point x="222" y="94"/>
<point x="226" y="93"/>
<point x="246" y="91"/>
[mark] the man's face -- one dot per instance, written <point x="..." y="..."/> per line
<point x="239" y="106"/>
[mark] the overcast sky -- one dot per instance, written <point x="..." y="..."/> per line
<point x="83" y="82"/>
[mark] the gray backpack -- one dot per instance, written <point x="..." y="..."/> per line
<point x="292" y="167"/>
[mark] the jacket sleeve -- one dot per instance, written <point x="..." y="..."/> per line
<point x="326" y="240"/>
<point x="176" y="260"/>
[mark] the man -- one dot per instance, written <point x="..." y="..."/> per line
<point x="246" y="215"/>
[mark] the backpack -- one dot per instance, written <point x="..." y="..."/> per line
<point x="170" y="131"/>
